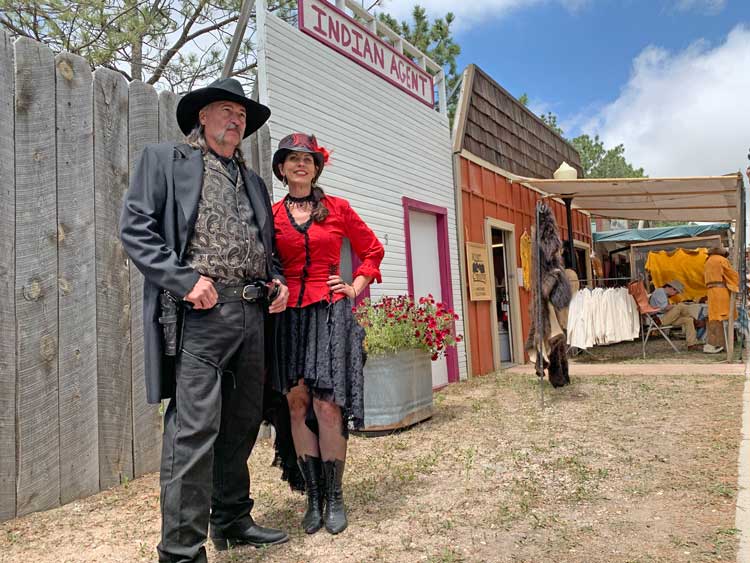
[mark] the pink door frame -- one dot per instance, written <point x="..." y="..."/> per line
<point x="446" y="284"/>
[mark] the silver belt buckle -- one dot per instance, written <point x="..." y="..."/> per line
<point x="245" y="293"/>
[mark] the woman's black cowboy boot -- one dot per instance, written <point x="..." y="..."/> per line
<point x="335" y="513"/>
<point x="311" y="471"/>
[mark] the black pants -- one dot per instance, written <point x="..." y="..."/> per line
<point x="210" y="427"/>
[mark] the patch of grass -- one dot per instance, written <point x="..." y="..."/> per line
<point x="585" y="480"/>
<point x="680" y="542"/>
<point x="724" y="543"/>
<point x="363" y="491"/>
<point x="144" y="550"/>
<point x="404" y="473"/>
<point x="12" y="537"/>
<point x="469" y="455"/>
<point x="723" y="490"/>
<point x="425" y="464"/>
<point x="543" y="520"/>
<point x="447" y="555"/>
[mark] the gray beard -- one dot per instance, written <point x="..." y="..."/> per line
<point x="219" y="138"/>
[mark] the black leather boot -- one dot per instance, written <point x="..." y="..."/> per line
<point x="246" y="532"/>
<point x="312" y="472"/>
<point x="335" y="513"/>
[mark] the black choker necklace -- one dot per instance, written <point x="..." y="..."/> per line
<point x="304" y="199"/>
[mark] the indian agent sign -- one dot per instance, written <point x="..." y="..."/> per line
<point x="329" y="25"/>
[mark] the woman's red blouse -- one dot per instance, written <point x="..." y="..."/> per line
<point x="311" y="252"/>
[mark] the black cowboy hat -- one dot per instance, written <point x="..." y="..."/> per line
<point x="224" y="89"/>
<point x="300" y="142"/>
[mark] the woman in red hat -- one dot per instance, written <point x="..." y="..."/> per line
<point x="321" y="345"/>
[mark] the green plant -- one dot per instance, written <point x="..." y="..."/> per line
<point x="398" y="323"/>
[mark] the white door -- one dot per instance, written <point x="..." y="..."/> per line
<point x="425" y="267"/>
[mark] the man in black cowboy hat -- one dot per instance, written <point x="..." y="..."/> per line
<point x="197" y="223"/>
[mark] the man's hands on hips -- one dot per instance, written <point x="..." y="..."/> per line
<point x="203" y="295"/>
<point x="279" y="304"/>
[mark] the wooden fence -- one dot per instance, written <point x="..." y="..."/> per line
<point x="73" y="413"/>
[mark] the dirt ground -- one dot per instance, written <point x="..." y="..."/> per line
<point x="639" y="468"/>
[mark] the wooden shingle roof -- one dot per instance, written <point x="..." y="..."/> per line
<point x="493" y="125"/>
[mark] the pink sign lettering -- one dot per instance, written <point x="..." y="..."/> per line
<point x="329" y="25"/>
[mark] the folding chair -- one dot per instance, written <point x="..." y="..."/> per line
<point x="648" y="314"/>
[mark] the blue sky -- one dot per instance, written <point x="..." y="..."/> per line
<point x="668" y="78"/>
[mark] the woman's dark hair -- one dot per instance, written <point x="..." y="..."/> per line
<point x="319" y="211"/>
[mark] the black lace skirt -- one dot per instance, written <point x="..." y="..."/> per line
<point x="324" y="346"/>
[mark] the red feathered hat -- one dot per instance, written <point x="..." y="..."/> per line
<point x="300" y="142"/>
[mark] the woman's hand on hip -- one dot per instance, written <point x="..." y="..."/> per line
<point x="338" y="285"/>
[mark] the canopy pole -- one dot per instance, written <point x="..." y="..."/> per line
<point x="571" y="261"/>
<point x="737" y="253"/>
<point x="538" y="318"/>
<point x="742" y="253"/>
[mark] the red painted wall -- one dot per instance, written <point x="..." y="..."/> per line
<point x="484" y="194"/>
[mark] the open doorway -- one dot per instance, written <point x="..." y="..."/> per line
<point x="503" y="313"/>
<point x="505" y="307"/>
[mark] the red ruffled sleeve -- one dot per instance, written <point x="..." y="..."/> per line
<point x="365" y="244"/>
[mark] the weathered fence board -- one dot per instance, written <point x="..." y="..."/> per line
<point x="112" y="279"/>
<point x="37" y="433"/>
<point x="143" y="128"/>
<point x="169" y="130"/>
<point x="7" y="285"/>
<point x="79" y="445"/>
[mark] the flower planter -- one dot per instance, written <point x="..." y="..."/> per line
<point x="398" y="390"/>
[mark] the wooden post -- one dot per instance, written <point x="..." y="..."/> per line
<point x="38" y="436"/>
<point x="736" y="253"/>
<point x="112" y="279"/>
<point x="239" y="33"/>
<point x="169" y="130"/>
<point x="7" y="284"/>
<point x="443" y="97"/>
<point x="79" y="446"/>
<point x="571" y="261"/>
<point x="143" y="128"/>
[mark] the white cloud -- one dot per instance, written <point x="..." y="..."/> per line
<point x="685" y="113"/>
<point x="470" y="11"/>
<point x="706" y="6"/>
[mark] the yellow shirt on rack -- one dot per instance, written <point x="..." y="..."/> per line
<point x="685" y="265"/>
<point x="525" y="251"/>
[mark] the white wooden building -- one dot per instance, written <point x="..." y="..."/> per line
<point x="391" y="149"/>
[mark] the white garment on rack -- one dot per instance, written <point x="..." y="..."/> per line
<point x="602" y="316"/>
<point x="576" y="323"/>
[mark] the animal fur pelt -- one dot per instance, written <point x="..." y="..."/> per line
<point x="556" y="295"/>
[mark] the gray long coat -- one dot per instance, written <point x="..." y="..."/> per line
<point x="157" y="221"/>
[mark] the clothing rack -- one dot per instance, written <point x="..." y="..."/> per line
<point x="597" y="282"/>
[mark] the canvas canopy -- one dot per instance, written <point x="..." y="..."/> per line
<point x="624" y="236"/>
<point x="709" y="198"/>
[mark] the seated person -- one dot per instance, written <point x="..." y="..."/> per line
<point x="675" y="314"/>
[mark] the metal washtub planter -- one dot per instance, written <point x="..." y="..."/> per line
<point x="398" y="390"/>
